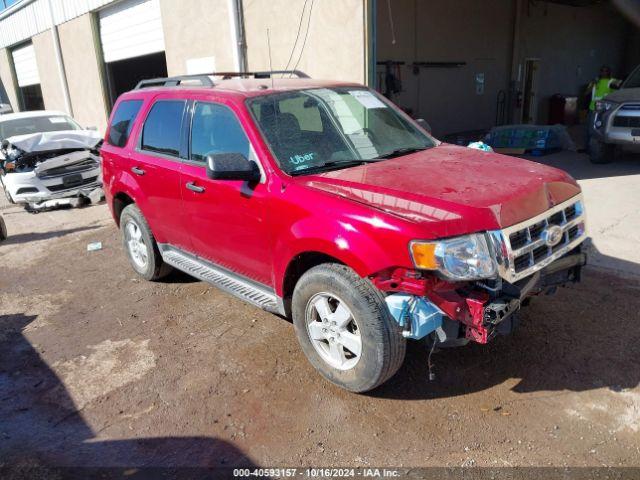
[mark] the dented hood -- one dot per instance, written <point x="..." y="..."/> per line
<point x="454" y="186"/>
<point x="68" y="139"/>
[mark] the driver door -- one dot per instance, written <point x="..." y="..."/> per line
<point x="226" y="218"/>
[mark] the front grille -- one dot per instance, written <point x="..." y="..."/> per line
<point x="87" y="164"/>
<point x="628" y="122"/>
<point x="530" y="247"/>
<point x="60" y="187"/>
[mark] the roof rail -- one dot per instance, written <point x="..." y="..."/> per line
<point x="205" y="78"/>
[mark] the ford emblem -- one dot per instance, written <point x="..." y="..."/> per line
<point x="552" y="235"/>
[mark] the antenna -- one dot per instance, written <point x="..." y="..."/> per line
<point x="269" y="48"/>
<point x="273" y="97"/>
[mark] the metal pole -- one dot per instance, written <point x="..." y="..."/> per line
<point x="59" y="61"/>
<point x="237" y="34"/>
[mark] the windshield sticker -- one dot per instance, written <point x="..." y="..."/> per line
<point x="57" y="120"/>
<point x="301" y="160"/>
<point x="367" y="99"/>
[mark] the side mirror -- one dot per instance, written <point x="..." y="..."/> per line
<point x="424" y="124"/>
<point x="232" y="166"/>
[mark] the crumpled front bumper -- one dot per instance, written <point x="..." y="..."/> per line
<point x="476" y="311"/>
<point x="26" y="187"/>
<point x="488" y="312"/>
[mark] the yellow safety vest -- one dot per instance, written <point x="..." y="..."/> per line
<point x="601" y="89"/>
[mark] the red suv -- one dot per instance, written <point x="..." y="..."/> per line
<point x="324" y="203"/>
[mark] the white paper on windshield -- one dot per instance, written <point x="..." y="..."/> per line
<point x="57" y="120"/>
<point x="367" y="99"/>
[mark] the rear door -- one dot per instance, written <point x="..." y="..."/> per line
<point x="156" y="166"/>
<point x="227" y="219"/>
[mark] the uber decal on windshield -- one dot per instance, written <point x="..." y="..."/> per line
<point x="301" y="161"/>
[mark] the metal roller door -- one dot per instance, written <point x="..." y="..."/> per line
<point x="130" y="29"/>
<point x="24" y="62"/>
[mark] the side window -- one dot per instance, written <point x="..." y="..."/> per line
<point x="122" y="122"/>
<point x="162" y="129"/>
<point x="216" y="129"/>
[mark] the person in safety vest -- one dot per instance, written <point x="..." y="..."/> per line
<point x="599" y="88"/>
<point x="602" y="86"/>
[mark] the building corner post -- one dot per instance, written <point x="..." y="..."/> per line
<point x="59" y="61"/>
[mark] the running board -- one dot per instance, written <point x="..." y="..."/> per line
<point x="225" y="280"/>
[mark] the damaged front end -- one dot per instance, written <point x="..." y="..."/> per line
<point x="46" y="170"/>
<point x="476" y="311"/>
<point x="532" y="259"/>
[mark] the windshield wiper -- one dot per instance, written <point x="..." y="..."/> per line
<point x="398" y="152"/>
<point x="334" y="164"/>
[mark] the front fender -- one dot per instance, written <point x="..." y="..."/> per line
<point x="364" y="242"/>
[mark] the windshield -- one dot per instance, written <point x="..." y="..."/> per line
<point x="633" y="81"/>
<point x="41" y="124"/>
<point x="324" y="128"/>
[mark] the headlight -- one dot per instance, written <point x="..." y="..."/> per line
<point x="461" y="258"/>
<point x="604" y="106"/>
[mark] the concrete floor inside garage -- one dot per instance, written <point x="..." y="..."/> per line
<point x="98" y="367"/>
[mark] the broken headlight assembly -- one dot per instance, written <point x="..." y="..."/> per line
<point x="464" y="258"/>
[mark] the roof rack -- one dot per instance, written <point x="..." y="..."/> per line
<point x="205" y="80"/>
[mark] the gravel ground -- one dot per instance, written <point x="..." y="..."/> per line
<point x="100" y="368"/>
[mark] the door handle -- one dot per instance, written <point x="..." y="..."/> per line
<point x="137" y="171"/>
<point x="195" y="188"/>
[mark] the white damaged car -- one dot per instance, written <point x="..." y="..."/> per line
<point x="47" y="159"/>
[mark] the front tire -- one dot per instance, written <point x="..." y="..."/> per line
<point x="141" y="246"/>
<point x="345" y="329"/>
<point x="600" y="152"/>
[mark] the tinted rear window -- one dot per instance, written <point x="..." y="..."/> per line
<point x="162" y="130"/>
<point x="122" y="122"/>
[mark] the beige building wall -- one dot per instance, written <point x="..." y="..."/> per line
<point x="335" y="46"/>
<point x="589" y="37"/>
<point x="48" y="71"/>
<point x="198" y="30"/>
<point x="6" y="77"/>
<point x="83" y="68"/>
<point x="477" y="33"/>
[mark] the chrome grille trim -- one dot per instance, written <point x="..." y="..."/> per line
<point x="509" y="258"/>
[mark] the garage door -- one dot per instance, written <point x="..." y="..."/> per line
<point x="24" y="61"/>
<point x="130" y="29"/>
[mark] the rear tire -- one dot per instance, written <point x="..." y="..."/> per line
<point x="141" y="246"/>
<point x="600" y="152"/>
<point x="335" y="314"/>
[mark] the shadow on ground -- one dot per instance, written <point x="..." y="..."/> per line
<point x="37" y="432"/>
<point x="37" y="236"/>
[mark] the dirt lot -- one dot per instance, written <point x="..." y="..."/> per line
<point x="100" y="368"/>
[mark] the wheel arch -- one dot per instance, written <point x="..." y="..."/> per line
<point x="120" y="201"/>
<point x="298" y="266"/>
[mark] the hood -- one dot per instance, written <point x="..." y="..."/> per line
<point x="464" y="189"/>
<point x="625" y="95"/>
<point x="42" y="142"/>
